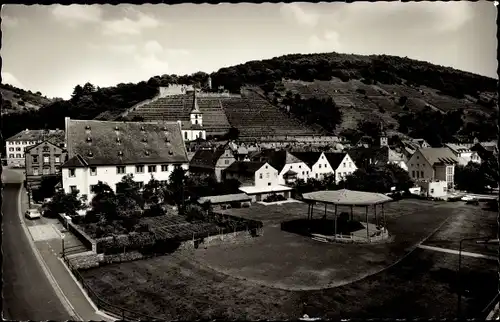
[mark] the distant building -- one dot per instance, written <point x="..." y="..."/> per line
<point x="322" y="164"/>
<point x="364" y="157"/>
<point x="284" y="161"/>
<point x="193" y="129"/>
<point x="212" y="161"/>
<point x="44" y="159"/>
<point x="258" y="179"/>
<point x="464" y="154"/>
<point x="433" y="164"/>
<point x="107" y="151"/>
<point x="17" y="144"/>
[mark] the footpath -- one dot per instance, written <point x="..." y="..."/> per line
<point x="60" y="275"/>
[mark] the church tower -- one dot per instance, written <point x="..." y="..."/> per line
<point x="383" y="136"/>
<point x="196" y="116"/>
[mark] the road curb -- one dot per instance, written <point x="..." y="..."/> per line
<point x="53" y="282"/>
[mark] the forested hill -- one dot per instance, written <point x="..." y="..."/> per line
<point x="89" y="101"/>
<point x="15" y="100"/>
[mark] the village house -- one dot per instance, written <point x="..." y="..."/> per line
<point x="258" y="179"/>
<point x="408" y="147"/>
<point x="289" y="167"/>
<point x="464" y="154"/>
<point x="212" y="161"/>
<point x="364" y="157"/>
<point x="43" y="159"/>
<point x="17" y="144"/>
<point x="107" y="151"/>
<point x="433" y="169"/>
<point x="322" y="164"/>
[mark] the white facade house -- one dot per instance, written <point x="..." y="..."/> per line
<point x="258" y="179"/>
<point x="17" y="144"/>
<point x="107" y="151"/>
<point x="290" y="168"/>
<point x="193" y="129"/>
<point x="433" y="164"/>
<point x="322" y="164"/>
<point x="434" y="189"/>
<point x="464" y="154"/>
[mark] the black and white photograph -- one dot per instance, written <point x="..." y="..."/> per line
<point x="238" y="161"/>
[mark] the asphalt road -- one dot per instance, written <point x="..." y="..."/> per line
<point x="27" y="293"/>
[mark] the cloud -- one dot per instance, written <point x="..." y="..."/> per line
<point x="8" y="78"/>
<point x="328" y="41"/>
<point x="8" y="21"/>
<point x="295" y="13"/>
<point x="132" y="24"/>
<point x="77" y="14"/>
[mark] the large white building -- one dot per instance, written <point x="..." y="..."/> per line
<point x="464" y="154"/>
<point x="17" y="144"/>
<point x="107" y="151"/>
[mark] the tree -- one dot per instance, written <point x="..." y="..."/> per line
<point x="378" y="179"/>
<point x="67" y="203"/>
<point x="474" y="177"/>
<point x="175" y="188"/>
<point x="77" y="93"/>
<point x="104" y="201"/>
<point x="129" y="201"/>
<point x="207" y="207"/>
<point x="153" y="195"/>
<point x="233" y="133"/>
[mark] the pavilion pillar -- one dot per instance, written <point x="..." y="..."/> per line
<point x="335" y="222"/>
<point x="383" y="217"/>
<point x="308" y="211"/>
<point x="375" y="211"/>
<point x="367" y="230"/>
<point x="312" y="210"/>
<point x="324" y="217"/>
<point x="352" y="217"/>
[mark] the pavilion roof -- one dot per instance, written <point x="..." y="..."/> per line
<point x="346" y="197"/>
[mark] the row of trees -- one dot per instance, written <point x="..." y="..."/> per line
<point x="372" y="179"/>
<point x="476" y="177"/>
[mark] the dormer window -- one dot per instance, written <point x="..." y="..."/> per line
<point x="142" y="129"/>
<point x="167" y="140"/>
<point x="116" y="128"/>
<point x="90" y="154"/>
<point x="87" y="127"/>
<point x="170" y="152"/>
<point x="120" y="153"/>
<point x="146" y="152"/>
<point x="118" y="140"/>
<point x="89" y="139"/>
<point x="145" y="140"/>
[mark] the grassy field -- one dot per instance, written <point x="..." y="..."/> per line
<point x="232" y="281"/>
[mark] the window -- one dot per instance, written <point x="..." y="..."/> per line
<point x="120" y="169"/>
<point x="421" y="174"/>
<point x="35" y="172"/>
<point x="418" y="174"/>
<point x="57" y="159"/>
<point x="449" y="170"/>
<point x="93" y="171"/>
<point x="307" y="172"/>
<point x="35" y="159"/>
<point x="18" y="149"/>
<point x="11" y="155"/>
<point x="302" y="172"/>
<point x="71" y="172"/>
<point x="164" y="167"/>
<point x="350" y="164"/>
<point x="320" y="166"/>
<point x="444" y="189"/>
<point x="139" y="168"/>
<point x="151" y="168"/>
<point x="140" y="184"/>
<point x="185" y="135"/>
<point x="267" y="175"/>
<point x="417" y="157"/>
<point x="45" y="149"/>
<point x="300" y="167"/>
<point x="291" y="166"/>
<point x="226" y="161"/>
<point x="269" y="183"/>
<point x="432" y="190"/>
<point x="344" y="164"/>
<point x="266" y="166"/>
<point x="316" y="176"/>
<point x="413" y="174"/>
<point x="11" y="149"/>
<point x="18" y="155"/>
<point x="260" y="175"/>
<point x="46" y="159"/>
<point x="72" y="188"/>
<point x="46" y="171"/>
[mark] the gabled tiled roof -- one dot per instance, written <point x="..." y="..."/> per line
<point x="277" y="159"/>
<point x="335" y="158"/>
<point x="289" y="173"/>
<point x="245" y="167"/>
<point x="309" y="158"/>
<point x="54" y="136"/>
<point x="206" y="158"/>
<point x="75" y="162"/>
<point x="115" y="143"/>
<point x="457" y="148"/>
<point x="43" y="142"/>
<point x="439" y="156"/>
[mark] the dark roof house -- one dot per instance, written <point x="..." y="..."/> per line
<point x="244" y="167"/>
<point x="439" y="156"/>
<point x="277" y="159"/>
<point x="206" y="158"/>
<point x="309" y="158"/>
<point x="335" y="158"/>
<point x="91" y="142"/>
<point x="54" y="136"/>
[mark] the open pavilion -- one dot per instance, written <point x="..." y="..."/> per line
<point x="351" y="198"/>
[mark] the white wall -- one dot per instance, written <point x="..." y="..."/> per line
<point x="107" y="174"/>
<point x="465" y="157"/>
<point x="436" y="189"/>
<point x="401" y="164"/>
<point x="321" y="168"/>
<point x="269" y="175"/>
<point x="193" y="134"/>
<point x="346" y="167"/>
<point x="302" y="169"/>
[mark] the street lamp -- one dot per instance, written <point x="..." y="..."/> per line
<point x="479" y="240"/>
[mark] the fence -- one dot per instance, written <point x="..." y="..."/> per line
<point x="86" y="240"/>
<point x="123" y="313"/>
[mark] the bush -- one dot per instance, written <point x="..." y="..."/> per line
<point x="381" y="109"/>
<point x="274" y="198"/>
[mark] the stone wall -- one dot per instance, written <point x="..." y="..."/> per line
<point x="82" y="236"/>
<point x="85" y="260"/>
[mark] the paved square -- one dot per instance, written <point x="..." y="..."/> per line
<point x="44" y="232"/>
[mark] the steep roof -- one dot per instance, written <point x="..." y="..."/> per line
<point x="457" y="148"/>
<point x="54" y="136"/>
<point x="244" y="167"/>
<point x="75" y="162"/>
<point x="335" y="158"/>
<point x="44" y="142"/>
<point x="439" y="155"/>
<point x="277" y="159"/>
<point x="115" y="143"/>
<point x="206" y="157"/>
<point x="309" y="158"/>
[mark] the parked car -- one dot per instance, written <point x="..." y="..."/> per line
<point x="468" y="198"/>
<point x="33" y="213"/>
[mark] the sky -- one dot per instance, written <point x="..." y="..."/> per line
<point x="53" y="48"/>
